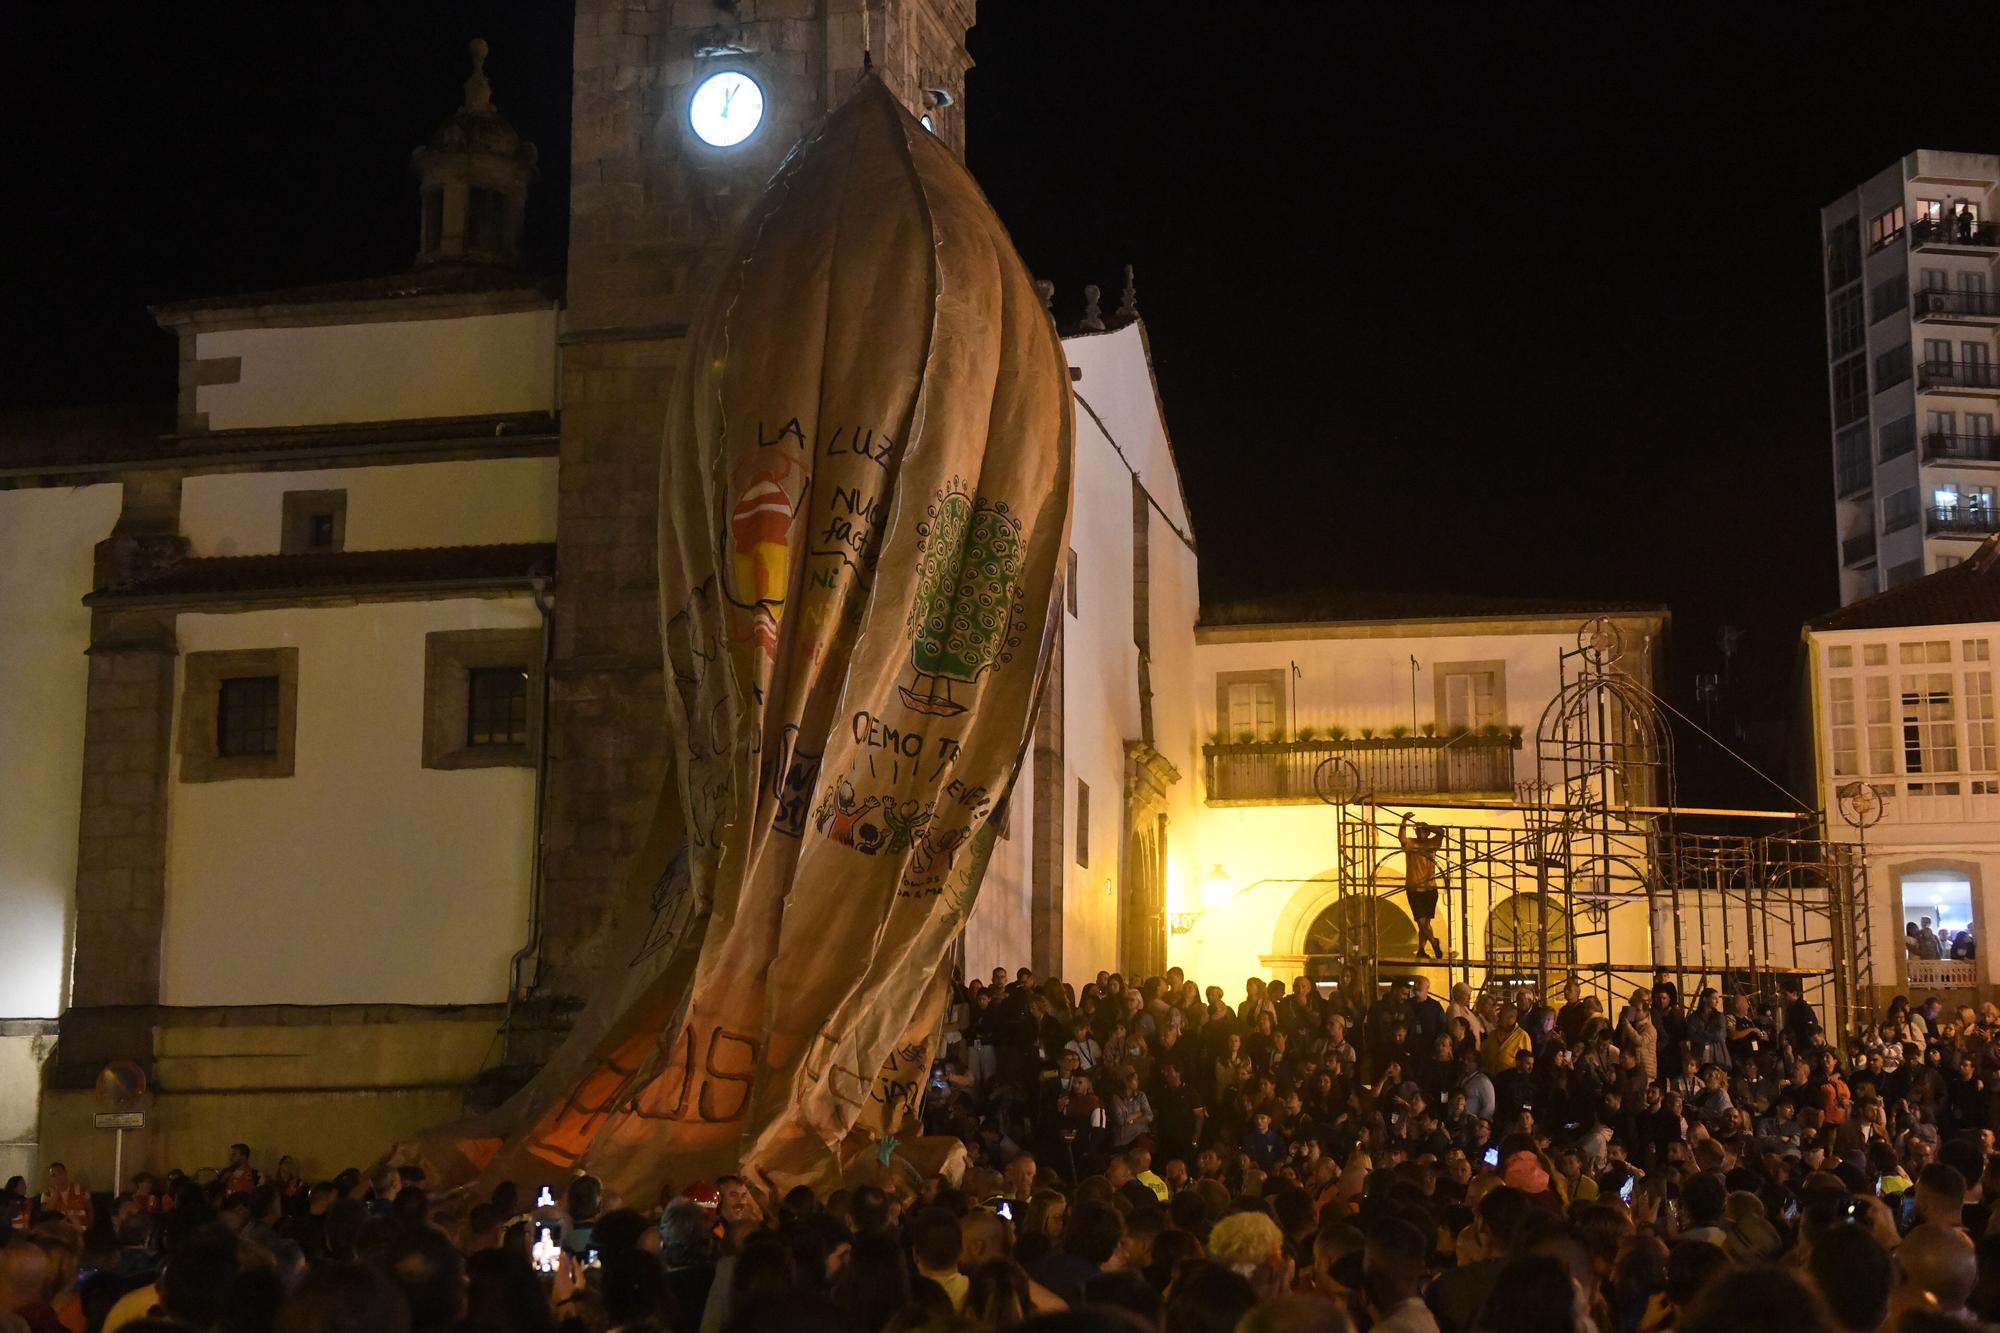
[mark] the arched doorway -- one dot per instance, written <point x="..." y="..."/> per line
<point x="1525" y="931"/>
<point x="1345" y="921"/>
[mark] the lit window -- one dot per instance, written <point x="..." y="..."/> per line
<point x="1885" y="227"/>
<point x="1881" y="729"/>
<point x="1981" y="753"/>
<point x="1874" y="654"/>
<point x="1253" y="710"/>
<point x="1945" y="497"/>
<point x="1842" y="719"/>
<point x="1930" y="210"/>
<point x="1930" y="733"/>
<point x="1842" y="656"/>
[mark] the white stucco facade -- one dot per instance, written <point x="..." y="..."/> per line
<point x="392" y="883"/>
<point x="403" y="370"/>
<point x="1254" y="873"/>
<point x="1909" y="711"/>
<point x="390" y="507"/>
<point x="46" y="540"/>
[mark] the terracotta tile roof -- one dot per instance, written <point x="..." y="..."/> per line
<point x="283" y="577"/>
<point x="1346" y="606"/>
<point x="1965" y="594"/>
<point x="55" y="438"/>
<point x="436" y="280"/>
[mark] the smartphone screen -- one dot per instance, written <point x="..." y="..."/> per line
<point x="1492" y="1157"/>
<point x="547" y="1249"/>
<point x="1625" y="1190"/>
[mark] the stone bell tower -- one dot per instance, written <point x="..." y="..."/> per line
<point x="652" y="205"/>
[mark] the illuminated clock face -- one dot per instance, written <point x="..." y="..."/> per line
<point x="726" y="110"/>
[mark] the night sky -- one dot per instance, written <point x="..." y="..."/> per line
<point x="1486" y="307"/>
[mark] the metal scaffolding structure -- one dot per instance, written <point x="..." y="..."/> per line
<point x="1593" y="872"/>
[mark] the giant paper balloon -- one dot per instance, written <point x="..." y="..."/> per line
<point x="864" y="494"/>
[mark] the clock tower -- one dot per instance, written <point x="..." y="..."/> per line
<point x="681" y="110"/>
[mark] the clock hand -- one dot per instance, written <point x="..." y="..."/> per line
<point x="728" y="95"/>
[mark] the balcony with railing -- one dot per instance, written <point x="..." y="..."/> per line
<point x="1283" y="772"/>
<point x="1957" y="307"/>
<point x="1942" y="447"/>
<point x="1943" y="974"/>
<point x="1963" y="521"/>
<point x="1975" y="376"/>
<point x="1954" y="233"/>
<point x="1858" y="548"/>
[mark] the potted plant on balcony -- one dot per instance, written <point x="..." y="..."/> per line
<point x="1336" y="732"/>
<point x="1514" y="734"/>
<point x="1305" y="734"/>
<point x="1428" y="729"/>
<point x="1398" y="732"/>
<point x="1368" y="733"/>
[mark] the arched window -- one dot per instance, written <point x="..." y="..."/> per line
<point x="1525" y="929"/>
<point x="1341" y="928"/>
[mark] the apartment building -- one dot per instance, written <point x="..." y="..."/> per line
<point x="1912" y="379"/>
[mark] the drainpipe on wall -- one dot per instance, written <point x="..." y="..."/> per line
<point x="531" y="950"/>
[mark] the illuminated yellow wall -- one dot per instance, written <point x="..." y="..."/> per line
<point x="330" y="374"/>
<point x="473" y="503"/>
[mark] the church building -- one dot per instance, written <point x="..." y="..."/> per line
<point x="337" y="712"/>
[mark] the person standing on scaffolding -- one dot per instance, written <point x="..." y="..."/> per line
<point x="1420" y="878"/>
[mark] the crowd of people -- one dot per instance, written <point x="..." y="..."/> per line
<point x="1309" y="1158"/>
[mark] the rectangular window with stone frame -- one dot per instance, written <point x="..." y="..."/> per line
<point x="314" y="522"/>
<point x="482" y="698"/>
<point x="1469" y="696"/>
<point x="238" y="714"/>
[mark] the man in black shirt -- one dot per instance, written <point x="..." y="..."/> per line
<point x="1178" y="1115"/>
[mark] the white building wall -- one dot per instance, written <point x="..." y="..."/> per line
<point x="331" y="374"/>
<point x="1279" y="862"/>
<point x="364" y="877"/>
<point x="466" y="503"/>
<point x="1364" y="678"/>
<point x="46" y="536"/>
<point x="1917" y="831"/>
<point x="997" y="933"/>
<point x="1120" y="433"/>
<point x="1100" y="699"/>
